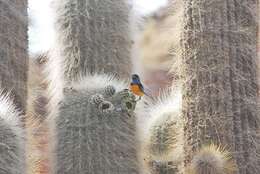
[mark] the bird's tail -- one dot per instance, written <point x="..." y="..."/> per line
<point x="212" y="159"/>
<point x="148" y="92"/>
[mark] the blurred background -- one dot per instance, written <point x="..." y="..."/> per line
<point x="153" y="27"/>
<point x="41" y="33"/>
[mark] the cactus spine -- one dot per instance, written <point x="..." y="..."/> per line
<point x="220" y="86"/>
<point x="162" y="137"/>
<point x="95" y="125"/>
<point x="13" y="49"/>
<point x="94" y="36"/>
<point x="212" y="160"/>
<point x="96" y="131"/>
<point x="12" y="142"/>
<point x="13" y="75"/>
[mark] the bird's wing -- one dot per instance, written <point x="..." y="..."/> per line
<point x="146" y="90"/>
<point x="141" y="86"/>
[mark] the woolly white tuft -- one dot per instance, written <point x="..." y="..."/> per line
<point x="98" y="82"/>
<point x="149" y="111"/>
<point x="168" y="102"/>
<point x="90" y="83"/>
<point x="9" y="114"/>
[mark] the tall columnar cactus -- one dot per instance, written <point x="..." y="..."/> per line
<point x="13" y="49"/>
<point x="94" y="125"/>
<point x="96" y="129"/>
<point x="91" y="32"/>
<point x="12" y="144"/>
<point x="220" y="79"/>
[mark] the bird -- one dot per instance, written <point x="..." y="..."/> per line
<point x="136" y="86"/>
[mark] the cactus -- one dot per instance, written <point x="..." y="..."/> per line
<point x="13" y="77"/>
<point x="12" y="142"/>
<point x="162" y="138"/>
<point x="37" y="129"/>
<point x="95" y="129"/>
<point x="13" y="49"/>
<point x="165" y="135"/>
<point x="220" y="79"/>
<point x="212" y="160"/>
<point x="166" y="145"/>
<point x="91" y="114"/>
<point x="89" y="33"/>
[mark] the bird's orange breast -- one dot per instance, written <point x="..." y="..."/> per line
<point x="136" y="90"/>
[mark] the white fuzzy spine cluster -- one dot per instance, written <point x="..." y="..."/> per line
<point x="212" y="159"/>
<point x="12" y="141"/>
<point x="166" y="109"/>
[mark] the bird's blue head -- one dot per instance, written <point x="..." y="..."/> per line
<point x="135" y="78"/>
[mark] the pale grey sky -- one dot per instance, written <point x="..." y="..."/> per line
<point x="148" y="6"/>
<point x="41" y="34"/>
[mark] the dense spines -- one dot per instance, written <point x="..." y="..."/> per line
<point x="93" y="36"/>
<point x="166" y="136"/>
<point x="220" y="79"/>
<point x="212" y="160"/>
<point x="99" y="82"/>
<point x="12" y="138"/>
<point x="95" y="130"/>
<point x="162" y="135"/>
<point x="37" y="130"/>
<point x="13" y="49"/>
